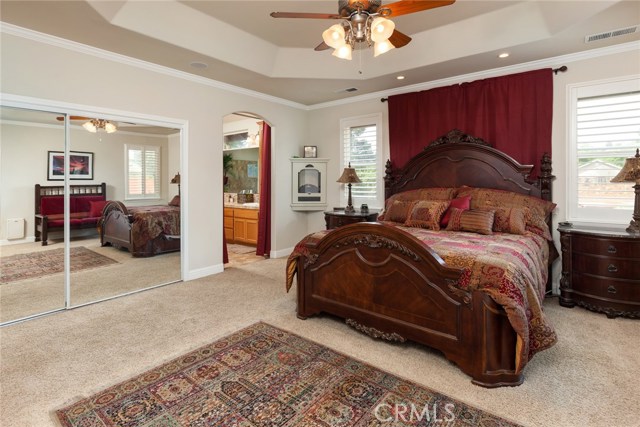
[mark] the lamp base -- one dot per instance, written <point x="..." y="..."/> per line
<point x="349" y="209"/>
<point x="634" y="227"/>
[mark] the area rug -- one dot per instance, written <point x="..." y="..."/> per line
<point x="44" y="263"/>
<point x="264" y="376"/>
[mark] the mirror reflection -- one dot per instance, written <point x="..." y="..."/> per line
<point x="120" y="175"/>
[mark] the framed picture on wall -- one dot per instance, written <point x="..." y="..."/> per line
<point x="310" y="151"/>
<point x="80" y="165"/>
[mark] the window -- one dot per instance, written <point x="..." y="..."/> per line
<point x="142" y="172"/>
<point x="604" y="131"/>
<point x="361" y="147"/>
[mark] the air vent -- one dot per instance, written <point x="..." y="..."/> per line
<point x="609" y="34"/>
<point x="349" y="89"/>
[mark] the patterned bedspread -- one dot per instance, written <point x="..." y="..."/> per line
<point x="150" y="222"/>
<point x="511" y="268"/>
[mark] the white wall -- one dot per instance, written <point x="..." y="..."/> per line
<point x="24" y="164"/>
<point x="88" y="82"/>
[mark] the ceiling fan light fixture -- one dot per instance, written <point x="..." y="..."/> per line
<point x="334" y="36"/>
<point x="343" y="52"/>
<point x="381" y="29"/>
<point x="110" y="127"/>
<point x="382" y="47"/>
<point x="90" y="126"/>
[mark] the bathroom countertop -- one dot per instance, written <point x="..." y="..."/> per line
<point x="253" y="206"/>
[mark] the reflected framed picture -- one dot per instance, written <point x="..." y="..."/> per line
<point x="310" y="151"/>
<point x="80" y="165"/>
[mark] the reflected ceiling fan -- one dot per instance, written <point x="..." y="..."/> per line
<point x="365" y="21"/>
<point x="94" y="125"/>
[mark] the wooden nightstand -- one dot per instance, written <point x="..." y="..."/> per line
<point x="335" y="219"/>
<point x="600" y="270"/>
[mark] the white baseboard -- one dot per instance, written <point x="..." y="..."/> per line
<point x="203" y="272"/>
<point x="17" y="241"/>
<point x="281" y="253"/>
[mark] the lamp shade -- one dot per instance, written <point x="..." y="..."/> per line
<point x="90" y="126"/>
<point x="176" y="179"/>
<point x="381" y="29"/>
<point x="343" y="52"/>
<point x="381" y="47"/>
<point x="110" y="127"/>
<point x="349" y="176"/>
<point x="630" y="172"/>
<point x="334" y="36"/>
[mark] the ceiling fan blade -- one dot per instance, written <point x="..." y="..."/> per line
<point x="305" y="15"/>
<point x="60" y="119"/>
<point x="399" y="39"/>
<point x="405" y="7"/>
<point x="322" y="46"/>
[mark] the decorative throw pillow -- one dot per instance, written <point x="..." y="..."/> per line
<point x="483" y="197"/>
<point x="475" y="221"/>
<point x="427" y="214"/>
<point x="175" y="201"/>
<point x="96" y="207"/>
<point x="398" y="211"/>
<point x="510" y="220"/>
<point x="538" y="225"/>
<point x="463" y="203"/>
<point x="435" y="193"/>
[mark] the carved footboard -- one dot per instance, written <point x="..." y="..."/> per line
<point x="389" y="285"/>
<point x="115" y="225"/>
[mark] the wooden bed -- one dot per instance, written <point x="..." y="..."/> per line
<point x="131" y="229"/>
<point x="389" y="285"/>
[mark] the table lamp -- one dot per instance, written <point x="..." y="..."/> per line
<point x="176" y="180"/>
<point x="631" y="173"/>
<point x="349" y="177"/>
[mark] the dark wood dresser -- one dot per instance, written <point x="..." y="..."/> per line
<point x="335" y="219"/>
<point x="600" y="270"/>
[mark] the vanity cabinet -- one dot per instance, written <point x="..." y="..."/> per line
<point x="241" y="225"/>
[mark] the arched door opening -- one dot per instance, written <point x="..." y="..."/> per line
<point x="247" y="184"/>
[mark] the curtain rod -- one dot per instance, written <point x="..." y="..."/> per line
<point x="555" y="71"/>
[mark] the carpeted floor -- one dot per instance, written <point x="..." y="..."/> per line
<point x="44" y="263"/>
<point x="589" y="378"/>
<point x="265" y="376"/>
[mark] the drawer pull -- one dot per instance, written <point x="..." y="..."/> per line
<point x="612" y="289"/>
<point x="612" y="249"/>
<point x="612" y="268"/>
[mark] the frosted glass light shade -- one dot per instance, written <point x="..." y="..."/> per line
<point x="110" y="127"/>
<point x="90" y="127"/>
<point x="343" y="52"/>
<point x="334" y="36"/>
<point x="381" y="29"/>
<point x="381" y="47"/>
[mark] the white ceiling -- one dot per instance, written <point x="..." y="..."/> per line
<point x="243" y="46"/>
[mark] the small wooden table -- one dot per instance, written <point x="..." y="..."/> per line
<point x="335" y="219"/>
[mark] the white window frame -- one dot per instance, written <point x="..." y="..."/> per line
<point x="158" y="194"/>
<point x="575" y="92"/>
<point x="369" y="119"/>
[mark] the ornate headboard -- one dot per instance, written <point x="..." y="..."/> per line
<point x="458" y="159"/>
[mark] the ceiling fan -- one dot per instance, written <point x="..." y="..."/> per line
<point x="93" y="125"/>
<point x="365" y="21"/>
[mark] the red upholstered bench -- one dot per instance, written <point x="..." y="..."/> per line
<point x="85" y="207"/>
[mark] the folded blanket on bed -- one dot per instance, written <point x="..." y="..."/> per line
<point x="511" y="268"/>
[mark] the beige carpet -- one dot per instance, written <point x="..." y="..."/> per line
<point x="588" y="379"/>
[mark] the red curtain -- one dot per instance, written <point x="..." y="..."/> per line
<point x="513" y="113"/>
<point x="264" y="214"/>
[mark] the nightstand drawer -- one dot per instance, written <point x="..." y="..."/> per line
<point x="622" y="290"/>
<point x="622" y="268"/>
<point x="607" y="247"/>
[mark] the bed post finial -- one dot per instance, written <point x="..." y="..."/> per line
<point x="388" y="178"/>
<point x="545" y="177"/>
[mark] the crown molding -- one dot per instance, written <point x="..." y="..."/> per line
<point x="36" y="36"/>
<point x="495" y="72"/>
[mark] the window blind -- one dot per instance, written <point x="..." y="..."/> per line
<point x="143" y="172"/>
<point x="608" y="131"/>
<point x="360" y="149"/>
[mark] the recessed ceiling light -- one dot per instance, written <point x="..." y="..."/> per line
<point x="400" y="77"/>
<point x="197" y="64"/>
<point x="503" y="55"/>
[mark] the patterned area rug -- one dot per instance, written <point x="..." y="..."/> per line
<point x="264" y="376"/>
<point x="43" y="263"/>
